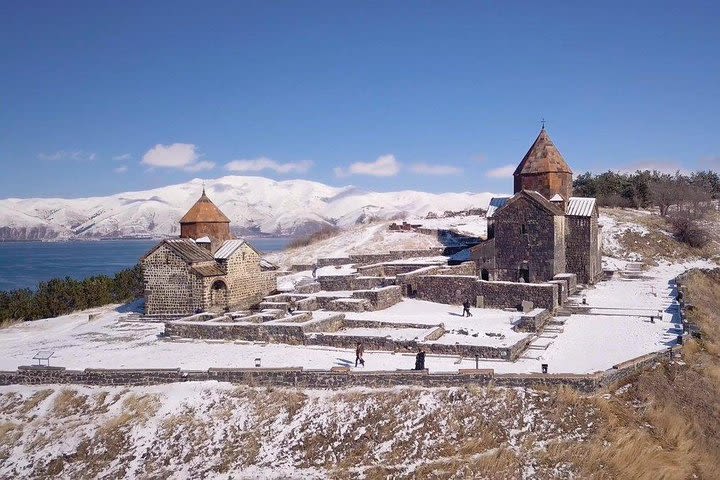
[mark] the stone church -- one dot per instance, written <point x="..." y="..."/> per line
<point x="542" y="230"/>
<point x="206" y="269"/>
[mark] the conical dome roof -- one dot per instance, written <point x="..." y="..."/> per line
<point x="543" y="157"/>
<point x="204" y="211"/>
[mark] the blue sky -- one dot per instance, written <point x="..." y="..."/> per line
<point x="101" y="97"/>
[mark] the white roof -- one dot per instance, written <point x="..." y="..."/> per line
<point x="228" y="248"/>
<point x="495" y="203"/>
<point x="580" y="207"/>
<point x="203" y="240"/>
<point x="557" y="198"/>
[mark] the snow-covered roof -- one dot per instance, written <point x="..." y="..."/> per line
<point x="203" y="240"/>
<point x="580" y="207"/>
<point x="495" y="203"/>
<point x="557" y="198"/>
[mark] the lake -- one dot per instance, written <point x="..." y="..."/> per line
<point x="25" y="264"/>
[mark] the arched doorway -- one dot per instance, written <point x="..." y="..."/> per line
<point x="218" y="295"/>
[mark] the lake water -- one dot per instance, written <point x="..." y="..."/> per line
<point x="25" y="264"/>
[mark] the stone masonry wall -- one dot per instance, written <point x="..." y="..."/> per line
<point x="583" y="250"/>
<point x="171" y="288"/>
<point x="449" y="289"/>
<point x="247" y="283"/>
<point x="336" y="378"/>
<point x="454" y="290"/>
<point x="380" y="298"/>
<point x="526" y="237"/>
<point x="511" y="294"/>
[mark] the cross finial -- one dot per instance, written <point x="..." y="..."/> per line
<point x="203" y="187"/>
<point x="542" y="123"/>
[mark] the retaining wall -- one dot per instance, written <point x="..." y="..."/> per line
<point x="335" y="378"/>
<point x="455" y="289"/>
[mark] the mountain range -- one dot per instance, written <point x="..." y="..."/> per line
<point x="255" y="206"/>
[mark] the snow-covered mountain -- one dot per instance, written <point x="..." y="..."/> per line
<point x="255" y="205"/>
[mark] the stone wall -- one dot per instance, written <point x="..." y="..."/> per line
<point x="247" y="283"/>
<point x="455" y="289"/>
<point x="533" y="321"/>
<point x="526" y="237"/>
<point x="335" y="283"/>
<point x="171" y="288"/>
<point x="366" y="283"/>
<point x="255" y="332"/>
<point x="335" y="378"/>
<point x="511" y="294"/>
<point x="380" y="298"/>
<point x="465" y="268"/>
<point x="562" y="290"/>
<point x="571" y="280"/>
<point x="583" y="248"/>
<point x="449" y="289"/>
<point x="372" y="258"/>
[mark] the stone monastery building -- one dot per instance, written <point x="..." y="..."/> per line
<point x="542" y="230"/>
<point x="206" y="269"/>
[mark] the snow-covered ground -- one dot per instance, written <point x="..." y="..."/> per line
<point x="617" y="329"/>
<point x="360" y="239"/>
<point x="614" y="225"/>
<point x="487" y="326"/>
<point x="472" y="225"/>
<point x="222" y="431"/>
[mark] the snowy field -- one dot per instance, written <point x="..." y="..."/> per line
<point x="471" y="225"/>
<point x="375" y="238"/>
<point x="616" y="329"/>
<point x="490" y="327"/>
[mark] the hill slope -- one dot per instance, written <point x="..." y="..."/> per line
<point x="255" y="205"/>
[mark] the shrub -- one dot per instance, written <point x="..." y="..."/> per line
<point x="322" y="234"/>
<point x="60" y="296"/>
<point x="688" y="230"/>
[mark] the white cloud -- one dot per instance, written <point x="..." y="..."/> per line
<point x="384" y="166"/>
<point x="425" y="169"/>
<point x="121" y="169"/>
<point x="124" y="156"/>
<point x="506" y="171"/>
<point x="264" y="163"/>
<point x="67" y="155"/>
<point x="178" y="155"/>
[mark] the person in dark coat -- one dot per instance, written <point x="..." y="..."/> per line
<point x="359" y="350"/>
<point x="314" y="271"/>
<point x="466" y="309"/>
<point x="420" y="360"/>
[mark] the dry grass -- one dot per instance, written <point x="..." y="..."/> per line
<point x="658" y="243"/>
<point x="35" y="400"/>
<point x="322" y="234"/>
<point x="68" y="403"/>
<point x="666" y="425"/>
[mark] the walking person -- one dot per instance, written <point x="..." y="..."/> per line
<point x="420" y="360"/>
<point x="359" y="350"/>
<point x="466" y="309"/>
<point x="314" y="271"/>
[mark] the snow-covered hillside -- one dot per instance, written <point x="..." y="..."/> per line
<point x="253" y="204"/>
